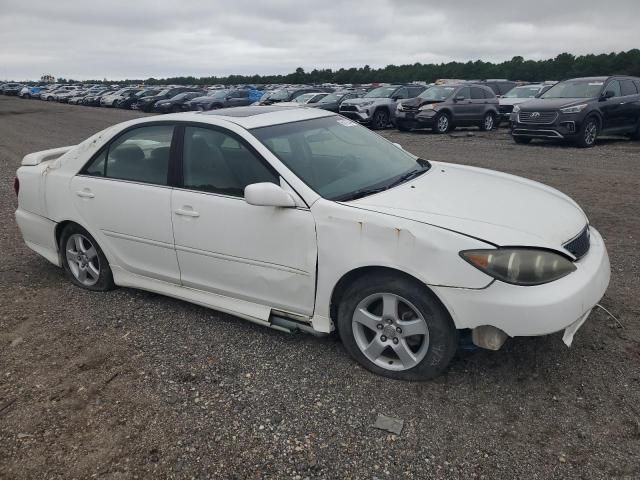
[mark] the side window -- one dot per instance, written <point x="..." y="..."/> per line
<point x="216" y="162"/>
<point x="488" y="93"/>
<point x="614" y="86"/>
<point x="415" y="91"/>
<point x="463" y="92"/>
<point x="402" y="93"/>
<point x="139" y="155"/>
<point x="477" y="93"/>
<point x="627" y="87"/>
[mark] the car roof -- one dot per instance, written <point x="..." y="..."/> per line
<point x="251" y="116"/>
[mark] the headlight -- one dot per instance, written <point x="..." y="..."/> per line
<point x="365" y="104"/>
<point x="429" y="106"/>
<point x="516" y="108"/>
<point x="574" y="109"/>
<point x="520" y="266"/>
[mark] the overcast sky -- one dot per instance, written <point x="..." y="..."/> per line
<point x="156" y="38"/>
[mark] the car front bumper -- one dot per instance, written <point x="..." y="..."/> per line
<point x="360" y="116"/>
<point x="565" y="127"/>
<point x="416" y="119"/>
<point x="536" y="310"/>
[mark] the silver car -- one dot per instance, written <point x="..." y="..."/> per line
<point x="377" y="108"/>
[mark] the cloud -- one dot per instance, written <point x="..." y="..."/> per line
<point x="145" y="38"/>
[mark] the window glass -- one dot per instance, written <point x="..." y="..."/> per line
<point x="214" y="161"/>
<point x="614" y="86"/>
<point x="402" y="93"/>
<point x="139" y="155"/>
<point x="477" y="93"/>
<point x="488" y="93"/>
<point x="464" y="92"/>
<point x="628" y="87"/>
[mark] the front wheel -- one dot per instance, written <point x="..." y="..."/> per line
<point x="488" y="122"/>
<point x="588" y="133"/>
<point x="394" y="327"/>
<point x="442" y="123"/>
<point x="83" y="260"/>
<point x="380" y="119"/>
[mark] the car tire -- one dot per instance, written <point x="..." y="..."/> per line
<point x="27" y="96"/>
<point x="522" y="140"/>
<point x="49" y="99"/>
<point x="403" y="127"/>
<point x="488" y="122"/>
<point x="588" y="134"/>
<point x="442" y="123"/>
<point x="83" y="261"/>
<point x="414" y="324"/>
<point x="380" y="119"/>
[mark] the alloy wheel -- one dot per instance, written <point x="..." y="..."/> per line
<point x="488" y="122"/>
<point x="83" y="260"/>
<point x="390" y="331"/>
<point x="590" y="132"/>
<point x="443" y="123"/>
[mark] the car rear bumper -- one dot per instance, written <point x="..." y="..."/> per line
<point x="537" y="310"/>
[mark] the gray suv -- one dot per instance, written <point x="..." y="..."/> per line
<point x="444" y="107"/>
<point x="377" y="107"/>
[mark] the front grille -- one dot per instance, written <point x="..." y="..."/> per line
<point x="579" y="246"/>
<point x="348" y="108"/>
<point x="505" y="108"/>
<point x="408" y="108"/>
<point x="537" y="118"/>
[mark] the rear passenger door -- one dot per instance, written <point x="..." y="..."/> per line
<point x="612" y="108"/>
<point x="462" y="106"/>
<point x="630" y="104"/>
<point x="225" y="246"/>
<point x="479" y="105"/>
<point x="124" y="200"/>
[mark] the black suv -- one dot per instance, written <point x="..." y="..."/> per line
<point x="219" y="99"/>
<point x="146" y="103"/>
<point x="579" y="110"/>
<point x="444" y="107"/>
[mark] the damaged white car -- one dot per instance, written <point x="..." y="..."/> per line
<point x="300" y="219"/>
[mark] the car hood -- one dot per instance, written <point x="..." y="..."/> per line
<point x="360" y="101"/>
<point x="552" y="103"/>
<point x="498" y="208"/>
<point x="514" y="101"/>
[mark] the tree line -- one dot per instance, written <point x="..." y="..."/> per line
<point x="561" y="67"/>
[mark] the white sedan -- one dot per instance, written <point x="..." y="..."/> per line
<point x="300" y="219"/>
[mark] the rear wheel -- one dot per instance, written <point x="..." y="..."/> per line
<point x="488" y="122"/>
<point x="588" y="133"/>
<point x="442" y="123"/>
<point x="394" y="327"/>
<point x="83" y="260"/>
<point x="380" y="119"/>
<point x="522" y="140"/>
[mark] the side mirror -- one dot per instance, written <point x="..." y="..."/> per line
<point x="459" y="98"/>
<point x="268" y="194"/>
<point x="608" y="94"/>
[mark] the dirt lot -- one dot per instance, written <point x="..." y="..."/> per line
<point x="129" y="384"/>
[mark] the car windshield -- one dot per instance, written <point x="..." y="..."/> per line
<point x="164" y="92"/>
<point x="575" y="89"/>
<point x="180" y="96"/>
<point x="522" y="92"/>
<point x="332" y="97"/>
<point x="381" y="92"/>
<point x="437" y="93"/>
<point x="218" y="94"/>
<point x="339" y="159"/>
<point x="304" y="98"/>
<point x="280" y="95"/>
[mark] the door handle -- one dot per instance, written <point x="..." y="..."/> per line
<point x="86" y="193"/>
<point x="186" y="212"/>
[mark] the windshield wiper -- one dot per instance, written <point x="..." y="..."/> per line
<point x="424" y="166"/>
<point x="365" y="192"/>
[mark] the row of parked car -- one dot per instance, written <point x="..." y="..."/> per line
<point x="579" y="110"/>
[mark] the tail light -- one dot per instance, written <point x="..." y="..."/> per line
<point x="16" y="185"/>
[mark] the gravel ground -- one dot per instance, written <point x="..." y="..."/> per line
<point x="129" y="384"/>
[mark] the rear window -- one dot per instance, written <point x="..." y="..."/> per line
<point x="628" y="87"/>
